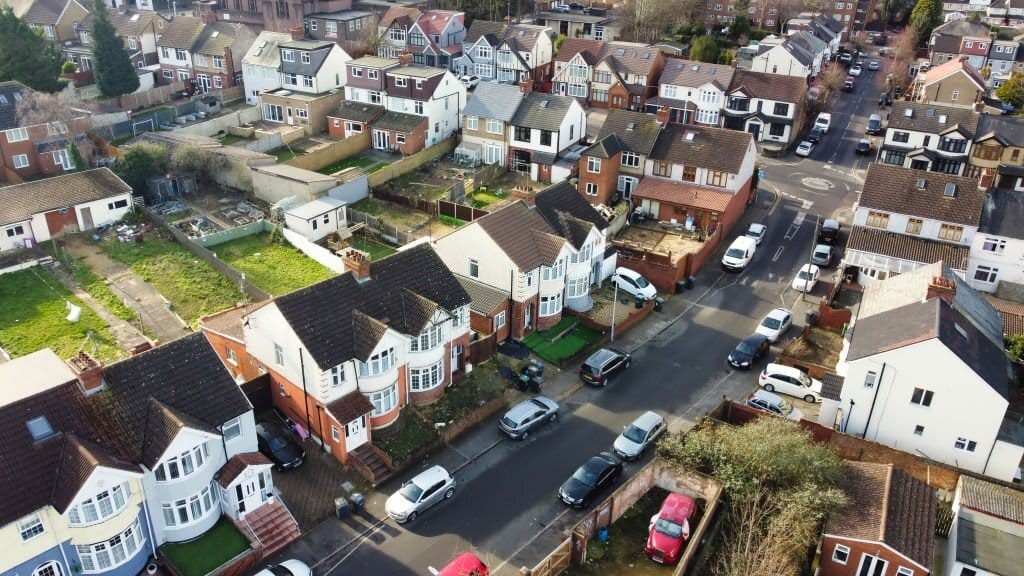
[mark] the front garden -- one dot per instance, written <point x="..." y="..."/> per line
<point x="203" y="555"/>
<point x="623" y="551"/>
<point x="271" y="263"/>
<point x="562" y="341"/>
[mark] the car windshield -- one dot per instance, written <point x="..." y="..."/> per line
<point x="641" y="281"/>
<point x="821" y="254"/>
<point x="804" y="275"/>
<point x="509" y="422"/>
<point x="585" y="476"/>
<point x="734" y="253"/>
<point x="411" y="492"/>
<point x="277" y="443"/>
<point x="634" y="434"/>
<point x="772" y="323"/>
<point x="804" y="379"/>
<point x="669" y="528"/>
<point x="746" y="347"/>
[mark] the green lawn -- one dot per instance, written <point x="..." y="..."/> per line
<point x="194" y="287"/>
<point x="201" y="556"/>
<point x="377" y="167"/>
<point x="481" y="386"/>
<point x="284" y="153"/>
<point x="481" y="198"/>
<point x="543" y="344"/>
<point x="350" y="162"/>
<point x="403" y="438"/>
<point x="367" y="206"/>
<point x="375" y="249"/>
<point x="33" y="317"/>
<point x="98" y="289"/>
<point x="273" y="265"/>
<point x="229" y="139"/>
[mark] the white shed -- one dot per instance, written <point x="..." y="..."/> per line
<point x="318" y="218"/>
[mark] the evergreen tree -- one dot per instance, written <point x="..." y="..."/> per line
<point x="26" y="56"/>
<point x="704" y="49"/>
<point x="926" y="15"/>
<point x="76" y="158"/>
<point x="115" y="74"/>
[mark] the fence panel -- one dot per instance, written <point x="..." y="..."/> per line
<point x="483" y="349"/>
<point x="412" y="162"/>
<point x="557" y="562"/>
<point x="335" y="152"/>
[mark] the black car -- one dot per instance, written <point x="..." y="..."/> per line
<point x="598" y="369"/>
<point x="749" y="350"/>
<point x="277" y="445"/>
<point x="863" y="146"/>
<point x="829" y="232"/>
<point x="815" y="135"/>
<point x="596" y="474"/>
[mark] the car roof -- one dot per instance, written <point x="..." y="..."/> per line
<point x="603" y="355"/>
<point x="755" y="336"/>
<point x="430" y="476"/>
<point x="808" y="268"/>
<point x="830" y="223"/>
<point x="527" y="406"/>
<point x="462" y="565"/>
<point x="778" y="313"/>
<point x="742" y="242"/>
<point x="756" y="227"/>
<point x="627" y="272"/>
<point x="822" y="247"/>
<point x="647" y="420"/>
<point x="805" y="144"/>
<point x="770" y="397"/>
<point x="773" y="368"/>
<point x="677" y="507"/>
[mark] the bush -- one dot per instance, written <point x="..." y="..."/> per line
<point x="455" y="222"/>
<point x="68" y="68"/>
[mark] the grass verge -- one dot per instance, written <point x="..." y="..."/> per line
<point x="378" y="167"/>
<point x="405" y="437"/>
<point x="480" y="198"/>
<point x="350" y="162"/>
<point x="272" y="264"/>
<point x="229" y="139"/>
<point x="204" y="554"/>
<point x="375" y="249"/>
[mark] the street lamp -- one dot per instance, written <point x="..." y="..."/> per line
<point x="615" y="301"/>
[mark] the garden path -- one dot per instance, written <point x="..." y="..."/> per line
<point x="127" y="336"/>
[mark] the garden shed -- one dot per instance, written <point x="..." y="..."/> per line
<point x="318" y="218"/>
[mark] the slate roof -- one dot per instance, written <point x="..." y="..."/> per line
<point x="523" y="37"/>
<point x="357" y="111"/>
<point x="20" y="201"/>
<point x="264" y="50"/>
<point x="318" y="53"/>
<point x="349" y="407"/>
<point x="832" y="386"/>
<point x="894" y="189"/>
<point x="484" y="28"/>
<point x="683" y="194"/>
<point x="484" y="299"/>
<point x="605" y="147"/>
<point x="11" y="91"/>
<point x="568" y="213"/>
<point x="229" y="322"/>
<point x="1007" y="130"/>
<point x="128" y="23"/>
<point x="992" y="499"/>
<point x="237" y="464"/>
<point x="542" y="111"/>
<point x="932" y="118"/>
<point x="949" y="34"/>
<point x="887" y="505"/>
<point x="398" y="122"/>
<point x="636" y="132"/>
<point x="694" y="74"/>
<point x="45" y="11"/>
<point x="523" y="235"/>
<point x="1003" y="214"/>
<point x="181" y="32"/>
<point x="495" y="101"/>
<point x="947" y="69"/>
<point x="769" y="86"/>
<point x="711" y="148"/>
<point x="341" y="318"/>
<point x="986" y="548"/>
<point x="905" y="247"/>
<point x="217" y="37"/>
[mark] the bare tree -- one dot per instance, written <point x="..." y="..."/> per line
<point x="204" y="162"/>
<point x="62" y="114"/>
<point x="646" y="20"/>
<point x="904" y="45"/>
<point x="831" y="79"/>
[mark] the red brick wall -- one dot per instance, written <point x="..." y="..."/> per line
<point x="618" y="97"/>
<point x="515" y="320"/>
<point x="857" y="549"/>
<point x="657" y="268"/>
<point x="606" y="179"/>
<point x="545" y="322"/>
<point x="833" y="318"/>
<point x="246" y="365"/>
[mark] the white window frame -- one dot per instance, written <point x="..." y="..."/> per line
<point x="188" y="462"/>
<point x="109" y="554"/>
<point x="577" y="287"/>
<point x="335" y="433"/>
<point x="30" y="527"/>
<point x="191" y="509"/>
<point x="472" y="123"/>
<point x="21" y="161"/>
<point x="427" y="378"/>
<point x="429" y="339"/>
<point x="278" y="354"/>
<point x="287" y="55"/>
<point x="384" y="401"/>
<point x="100" y="507"/>
<point x="495" y="127"/>
<point x="591" y="189"/>
<point x="231" y="429"/>
<point x="993" y="245"/>
<point x="550" y="305"/>
<point x="593" y="165"/>
<point x="630" y="160"/>
<point x="474" y="268"/>
<point x="990" y="274"/>
<point x="330" y="26"/>
<point x="965" y="444"/>
<point x="553" y="272"/>
<point x="337" y="375"/>
<point x="870" y="379"/>
<point x="16" y="135"/>
<point x="904" y="571"/>
<point x="841" y="549"/>
<point x="51" y="568"/>
<point x="499" y="320"/>
<point x="401" y="81"/>
<point x="379" y="363"/>
<point x="577" y="90"/>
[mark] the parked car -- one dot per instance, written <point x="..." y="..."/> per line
<point x="863" y="146"/>
<point x="276" y="444"/>
<point x="757" y="232"/>
<point x="791" y="382"/>
<point x="804" y="148"/>
<point x="639" y="436"/>
<point x="670" y="528"/>
<point x="822" y="256"/>
<point x="465" y="564"/>
<point x="576" y="6"/>
<point x="739" y="253"/>
<point x="560" y="8"/>
<point x="874" y="126"/>
<point x="596" y="474"/>
<point x="807" y="278"/>
<point x="829" y="232"/>
<point x="846" y="57"/>
<point x="748" y="350"/>
<point x="423" y="491"/>
<point x="855" y="70"/>
<point x="815" y="135"/>
<point x="885" y="99"/>
<point x="470" y="81"/>
<point x="823" y="121"/>
<point x="286" y="568"/>
<point x="849" y="84"/>
<point x="881" y="40"/>
<point x="601" y="365"/>
<point x="775" y="324"/>
<point x="773" y="404"/>
<point x="527" y="416"/>
<point x="634" y="283"/>
<point x="873" y="65"/>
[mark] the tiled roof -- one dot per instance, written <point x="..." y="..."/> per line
<point x="636" y="131"/>
<point x="358" y="312"/>
<point x="237" y="464"/>
<point x="623" y="56"/>
<point x="711" y="148"/>
<point x="219" y="36"/>
<point x="932" y="118"/>
<point x="358" y="111"/>
<point x="229" y="322"/>
<point x="483" y="28"/>
<point x="522" y="234"/>
<point x="78" y="460"/>
<point x="895" y="189"/>
<point x="695" y="74"/>
<point x="19" y="202"/>
<point x="45" y="11"/>
<point x="605" y="147"/>
<point x="398" y="122"/>
<point x="683" y="194"/>
<point x="590" y="49"/>
<point x="523" y="37"/>
<point x="865" y="485"/>
<point x="1007" y="130"/>
<point x="769" y="86"/>
<point x="905" y="247"/>
<point x="992" y="499"/>
<point x="398" y="12"/>
<point x="495" y="101"/>
<point x="127" y="23"/>
<point x="832" y="386"/>
<point x="181" y="32"/>
<point x="1012" y="314"/>
<point x="318" y="53"/>
<point x="961" y="27"/>
<point x="910" y="517"/>
<point x="565" y="210"/>
<point x="349" y="407"/>
<point x="10" y="91"/>
<point x="542" y="111"/>
<point x="484" y="299"/>
<point x="945" y="70"/>
<point x="434" y="21"/>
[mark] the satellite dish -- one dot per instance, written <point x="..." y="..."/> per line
<point x="74" y="312"/>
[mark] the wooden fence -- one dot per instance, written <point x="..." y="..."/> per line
<point x="421" y="204"/>
<point x="558" y="561"/>
<point x="483" y="349"/>
<point x="459" y="211"/>
<point x="411" y="162"/>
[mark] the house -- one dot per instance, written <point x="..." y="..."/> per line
<point x="217" y="52"/>
<point x="1001" y="60"/>
<point x="175" y="47"/>
<point x="318" y="218"/>
<point x="351" y="29"/>
<point x="260" y="65"/>
<point x="433" y="96"/>
<point x="224" y="332"/>
<point x="593" y="24"/>
<point x="279" y="16"/>
<point x="999" y="243"/>
<point x="55" y="19"/>
<point x="997" y="152"/>
<point x="488" y="309"/>
<point x="798" y="55"/>
<point x="393" y="30"/>
<point x="435" y="39"/>
<point x="986" y="536"/>
<point x="543" y="126"/>
<point x="365" y="79"/>
<point x="33" y="150"/>
<point x="948" y="39"/>
<point x="910" y="329"/>
<point x="345" y="355"/>
<point x="620" y="75"/>
<point x="612" y="167"/>
<point x="886" y="527"/>
<point x="479" y="48"/>
<point x="929" y="137"/>
<point x="769" y="106"/>
<point x="39" y="210"/>
<point x="485" y="122"/>
<point x="351" y="119"/>
<point x="506" y="53"/>
<point x="139" y="30"/>
<point x="826" y="28"/>
<point x="693" y="92"/>
<point x="312" y="84"/>
<point x="955" y="83"/>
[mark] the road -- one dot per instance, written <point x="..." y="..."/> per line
<point x="507" y="498"/>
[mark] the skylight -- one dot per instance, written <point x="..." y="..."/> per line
<point x="40" y="429"/>
<point x="950" y="190"/>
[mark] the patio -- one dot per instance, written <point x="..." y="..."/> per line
<point x="659" y="239"/>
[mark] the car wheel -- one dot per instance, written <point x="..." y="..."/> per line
<point x="607" y="380"/>
<point x="412" y="516"/>
<point x="526" y="434"/>
<point x="810" y="399"/>
<point x="449" y="493"/>
<point x="627" y="364"/>
<point x="769" y="388"/>
<point x="553" y="418"/>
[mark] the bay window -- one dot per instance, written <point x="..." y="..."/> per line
<point x="183" y="465"/>
<point x="553" y="272"/>
<point x="577" y="287"/>
<point x="100" y="507"/>
<point x="428" y="378"/>
<point x="428" y="340"/>
<point x="383" y="401"/>
<point x="104" y="555"/>
<point x="583" y="255"/>
<point x="550" y="305"/>
<point x="378" y="363"/>
<point x="188" y="510"/>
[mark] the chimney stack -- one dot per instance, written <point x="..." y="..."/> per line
<point x="526" y="86"/>
<point x="663" y="115"/>
<point x="206" y="10"/>
<point x="941" y="287"/>
<point x="298" y="33"/>
<point x="357" y="262"/>
<point x="89" y="372"/>
<point x="405" y="58"/>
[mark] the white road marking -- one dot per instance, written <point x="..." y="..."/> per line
<point x="778" y="253"/>
<point x="531" y="540"/>
<point x="795" y="226"/>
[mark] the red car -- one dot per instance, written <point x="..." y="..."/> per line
<point x="465" y="564"/>
<point x="670" y="528"/>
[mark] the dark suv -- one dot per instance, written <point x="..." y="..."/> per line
<point x="829" y="232"/>
<point x="598" y="369"/>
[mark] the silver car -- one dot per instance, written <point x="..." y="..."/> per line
<point x="528" y="415"/>
<point x="639" y="436"/>
<point x="423" y="491"/>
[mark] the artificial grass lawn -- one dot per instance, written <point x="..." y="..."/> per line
<point x="33" y="317"/>
<point x="403" y="438"/>
<point x="272" y="264"/>
<point x="375" y="249"/>
<point x="350" y="162"/>
<point x="283" y="154"/>
<point x="201" y="556"/>
<point x="194" y="287"/>
<point x="541" y="343"/>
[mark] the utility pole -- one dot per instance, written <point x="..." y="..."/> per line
<point x="810" y="254"/>
<point x="615" y="302"/>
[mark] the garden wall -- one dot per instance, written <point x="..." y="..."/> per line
<point x="255" y="227"/>
<point x="620" y="327"/>
<point x="475" y="417"/>
<point x="376" y="225"/>
<point x="660" y="269"/>
<point x="214" y="125"/>
<point x="833" y="318"/>
<point x="314" y="251"/>
<point x="412" y="162"/>
<point x="334" y="152"/>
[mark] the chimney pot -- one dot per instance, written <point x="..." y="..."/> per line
<point x="357" y="262"/>
<point x="405" y="58"/>
<point x="663" y="115"/>
<point x="526" y="86"/>
<point x="89" y="372"/>
<point x="298" y="33"/>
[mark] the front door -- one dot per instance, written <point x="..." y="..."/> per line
<point x="86" y="214"/>
<point x="250" y="493"/>
<point x="755" y="129"/>
<point x="381" y="140"/>
<point x="355" y="434"/>
<point x="528" y="316"/>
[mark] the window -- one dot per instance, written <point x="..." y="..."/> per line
<point x="545" y="140"/>
<point x="593" y="164"/>
<point x="21" y="161"/>
<point x="553" y="272"/>
<point x="278" y="354"/>
<point x="330" y="26"/>
<point x="495" y="126"/>
<point x="707" y="116"/>
<point x="30" y="527"/>
<point x="483" y="52"/>
<point x="62" y="158"/>
<point x="474" y="268"/>
<point x="100" y="507"/>
<point x="200" y="59"/>
<point x="904" y="571"/>
<point x="895" y="158"/>
<point x="357" y="72"/>
<point x="776" y="129"/>
<point x="335" y="433"/>
<point x="168" y="74"/>
<point x="397" y="34"/>
<point x="954" y="145"/>
<point x="630" y="159"/>
<point x="550" y="305"/>
<point x="48" y="569"/>
<point x="401" y="81"/>
<point x="878" y="219"/>
<point x="17" y="135"/>
<point x="180" y="54"/>
<point x="165" y="52"/>
<point x="337" y="375"/>
<point x="312" y="25"/>
<point x="117" y="204"/>
<point x="951" y="232"/>
<point x="716" y="179"/>
<point x="578" y="90"/>
<point x="986" y="274"/>
<point x="522" y="134"/>
<point x="217" y="82"/>
<point x="840" y="554"/>
<point x="965" y="445"/>
<point x="188" y="510"/>
<point x="417" y="107"/>
<point x="577" y="287"/>
<point x="871" y="566"/>
<point x="428" y="378"/>
<point x="668" y="91"/>
<point x="428" y="340"/>
<point x="870" y="379"/>
<point x="472" y="123"/>
<point x="662" y="169"/>
<point x="230" y="430"/>
<point x="17" y="230"/>
<point x="290" y="79"/>
<point x="307" y="81"/>
<point x="918" y="430"/>
<point x="103" y="556"/>
<point x="591" y="189"/>
<point x="184" y="464"/>
<point x="499" y="319"/>
<point x="373" y="74"/>
<point x="901" y="137"/>
<point x="626" y="184"/>
<point x="383" y="401"/>
<point x="288" y="55"/>
<point x="994" y="245"/>
<point x="781" y="109"/>
<point x="379" y="363"/>
<point x="914" y="225"/>
<point x="375" y="98"/>
<point x="953" y="97"/>
<point x="353" y="127"/>
<point x="921" y="397"/>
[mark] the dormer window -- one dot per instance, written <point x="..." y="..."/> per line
<point x="100" y="507"/>
<point x="357" y="72"/>
<point x="84" y="36"/>
<point x="401" y="81"/>
<point x="304" y="56"/>
<point x="182" y="465"/>
<point x="373" y="74"/>
<point x="427" y="340"/>
<point x="287" y="55"/>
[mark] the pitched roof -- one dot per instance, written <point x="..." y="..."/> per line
<point x="78" y="460"/>
<point x="523" y="37"/>
<point x="403" y="287"/>
<point x="358" y="111"/>
<point x="398" y="122"/>
<point x="961" y="27"/>
<point x="605" y="147"/>
<point x="10" y="94"/>
<point x="542" y="111"/>
<point x="954" y="66"/>
<point x="565" y="210"/>
<point x="1007" y="130"/>
<point x="1011" y="312"/>
<point x="522" y="234"/>
<point x="684" y="194"/>
<point x="896" y="189"/>
<point x="769" y="86"/>
<point x="932" y="118"/>
<point x="495" y="101"/>
<point x="318" y="51"/>
<point x="349" y="407"/>
<point x="229" y="322"/>
<point x="237" y="464"/>
<point x="181" y="32"/>
<point x="220" y="36"/>
<point x="991" y="498"/>
<point x="887" y="505"/>
<point x="483" y="28"/>
<point x="484" y="299"/>
<point x="410" y="13"/>
<point x="694" y="74"/>
<point x="712" y="148"/>
<point x="589" y="49"/>
<point x="637" y="132"/>
<point x="434" y="21"/>
<point x="127" y="23"/>
<point x="45" y="11"/>
<point x="906" y="247"/>
<point x="20" y="201"/>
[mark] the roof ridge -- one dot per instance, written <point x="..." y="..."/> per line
<point x="885" y="503"/>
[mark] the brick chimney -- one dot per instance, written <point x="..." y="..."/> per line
<point x="526" y="86"/>
<point x="298" y="33"/>
<point x="405" y="58"/>
<point x="357" y="262"/>
<point x="940" y="287"/>
<point x="89" y="372"/>
<point x="207" y="11"/>
<point x="663" y="115"/>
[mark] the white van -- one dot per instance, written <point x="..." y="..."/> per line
<point x="739" y="253"/>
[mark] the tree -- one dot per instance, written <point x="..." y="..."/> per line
<point x="904" y="45"/>
<point x="645" y="20"/>
<point x="26" y="56"/>
<point x="1015" y="346"/>
<point x="139" y="162"/>
<point x="115" y="75"/>
<point x="704" y="49"/>
<point x="1012" y="91"/>
<point x="202" y="161"/>
<point x="740" y="28"/>
<point x="559" y="40"/>
<point x="76" y="158"/>
<point x="926" y="15"/>
<point x="63" y="114"/>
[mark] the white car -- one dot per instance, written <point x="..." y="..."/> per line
<point x="873" y="65"/>
<point x="823" y="121"/>
<point x="470" y="81"/>
<point x="286" y="568"/>
<point x="807" y="278"/>
<point x="791" y="382"/>
<point x="855" y="70"/>
<point x="775" y="324"/>
<point x="757" y="232"/>
<point x="633" y="283"/>
<point x="739" y="253"/>
<point x="639" y="436"/>
<point x="423" y="491"/>
<point x="804" y="149"/>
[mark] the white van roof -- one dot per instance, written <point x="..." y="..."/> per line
<point x="743" y="242"/>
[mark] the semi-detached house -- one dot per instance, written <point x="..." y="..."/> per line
<point x="768" y="106"/>
<point x="31" y="150"/>
<point x="693" y="92"/>
<point x="929" y="137"/>
<point x="205" y="50"/>
<point x="621" y="75"/>
<point x="260" y="65"/>
<point x="543" y="127"/>
<point x="485" y="122"/>
<point x="312" y="84"/>
<point x="506" y="53"/>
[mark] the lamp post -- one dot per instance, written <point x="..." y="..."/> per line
<point x="615" y="301"/>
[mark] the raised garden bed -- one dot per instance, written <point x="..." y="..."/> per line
<point x="481" y="197"/>
<point x="284" y="153"/>
<point x="376" y="250"/>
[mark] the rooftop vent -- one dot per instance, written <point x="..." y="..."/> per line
<point x="646" y="56"/>
<point x="942" y="118"/>
<point x="40" y="428"/>
<point x="690" y="136"/>
<point x="215" y="34"/>
<point x="680" y="65"/>
<point x="929" y="112"/>
<point x="135" y="17"/>
<point x="696" y="67"/>
<point x="3" y="99"/>
<point x="630" y="126"/>
<point x="950" y="190"/>
<point x="544" y="103"/>
<point x="620" y="52"/>
<point x="712" y="70"/>
<point x="909" y="112"/>
<point x="921" y="183"/>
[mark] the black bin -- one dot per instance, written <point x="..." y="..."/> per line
<point x="811" y="317"/>
<point x="639" y="302"/>
<point x="659" y="303"/>
<point x="341" y="508"/>
<point x="358" y="502"/>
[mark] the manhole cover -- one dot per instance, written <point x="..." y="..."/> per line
<point x="816" y="183"/>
